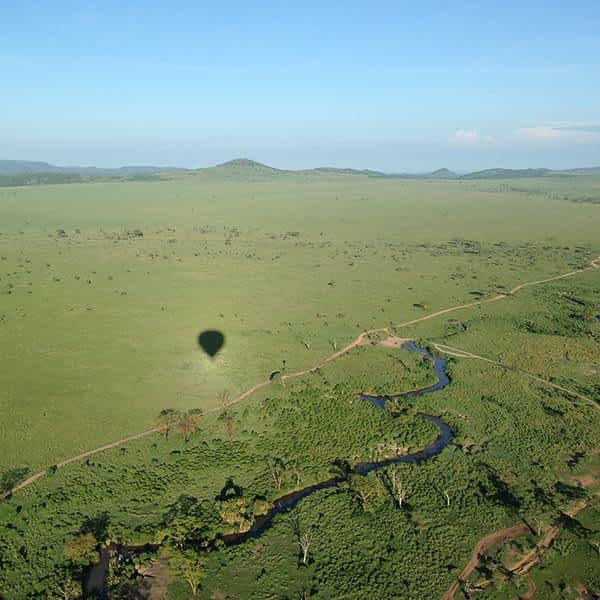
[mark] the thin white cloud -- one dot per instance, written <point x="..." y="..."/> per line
<point x="568" y="132"/>
<point x="541" y="133"/>
<point x="471" y="136"/>
<point x="581" y="127"/>
<point x="466" y="136"/>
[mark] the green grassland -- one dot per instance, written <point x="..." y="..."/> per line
<point x="104" y="288"/>
<point x="570" y="188"/>
<point x="98" y="326"/>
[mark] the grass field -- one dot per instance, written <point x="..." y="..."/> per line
<point x="104" y="288"/>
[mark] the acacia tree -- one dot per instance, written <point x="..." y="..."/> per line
<point x="364" y="490"/>
<point x="189" y="422"/>
<point x="228" y="419"/>
<point x="168" y="418"/>
<point x="185" y="523"/>
<point x="189" y="565"/>
<point x="230" y="427"/>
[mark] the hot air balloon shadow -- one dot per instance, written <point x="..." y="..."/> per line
<point x="211" y="342"/>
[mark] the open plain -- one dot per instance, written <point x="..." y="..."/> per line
<point x="316" y="280"/>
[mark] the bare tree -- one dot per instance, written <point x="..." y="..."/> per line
<point x="69" y="589"/>
<point x="277" y="471"/>
<point x="297" y="476"/>
<point x="225" y="399"/>
<point x="304" y="540"/>
<point x="167" y="418"/>
<point x="230" y="427"/>
<point x="447" y="496"/>
<point x="540" y="524"/>
<point x="397" y="488"/>
<point x="189" y="422"/>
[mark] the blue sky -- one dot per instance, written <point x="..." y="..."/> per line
<point x="399" y="86"/>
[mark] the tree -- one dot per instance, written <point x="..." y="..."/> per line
<point x="304" y="536"/>
<point x="70" y="590"/>
<point x="189" y="422"/>
<point x="60" y="585"/>
<point x="295" y="470"/>
<point x="9" y="479"/>
<point x="185" y="523"/>
<point x="341" y="469"/>
<point x="304" y="541"/>
<point x="189" y="565"/>
<point x="277" y="471"/>
<point x="237" y="512"/>
<point x="229" y="421"/>
<point x="168" y="418"/>
<point x="82" y="550"/>
<point x="230" y="428"/>
<point x="447" y="496"/>
<point x="364" y="490"/>
<point x="121" y="576"/>
<point x="395" y="486"/>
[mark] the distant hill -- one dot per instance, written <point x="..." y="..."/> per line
<point x="14" y="167"/>
<point x="506" y="173"/>
<point x="20" y="167"/>
<point x="25" y="172"/>
<point x="527" y="173"/>
<point x="581" y="171"/>
<point x="23" y="179"/>
<point x="347" y="171"/>
<point x="245" y="163"/>
<point x="442" y="174"/>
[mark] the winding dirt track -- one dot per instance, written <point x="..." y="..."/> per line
<point x="525" y="564"/>
<point x="483" y="545"/>
<point x="361" y="339"/>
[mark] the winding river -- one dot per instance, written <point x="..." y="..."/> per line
<point x="287" y="502"/>
<point x="95" y="583"/>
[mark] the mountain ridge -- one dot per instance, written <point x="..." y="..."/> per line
<point x="25" y="167"/>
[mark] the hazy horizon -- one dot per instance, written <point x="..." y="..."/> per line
<point x="300" y="168"/>
<point x="396" y="88"/>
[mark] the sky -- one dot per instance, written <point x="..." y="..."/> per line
<point x="397" y="86"/>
